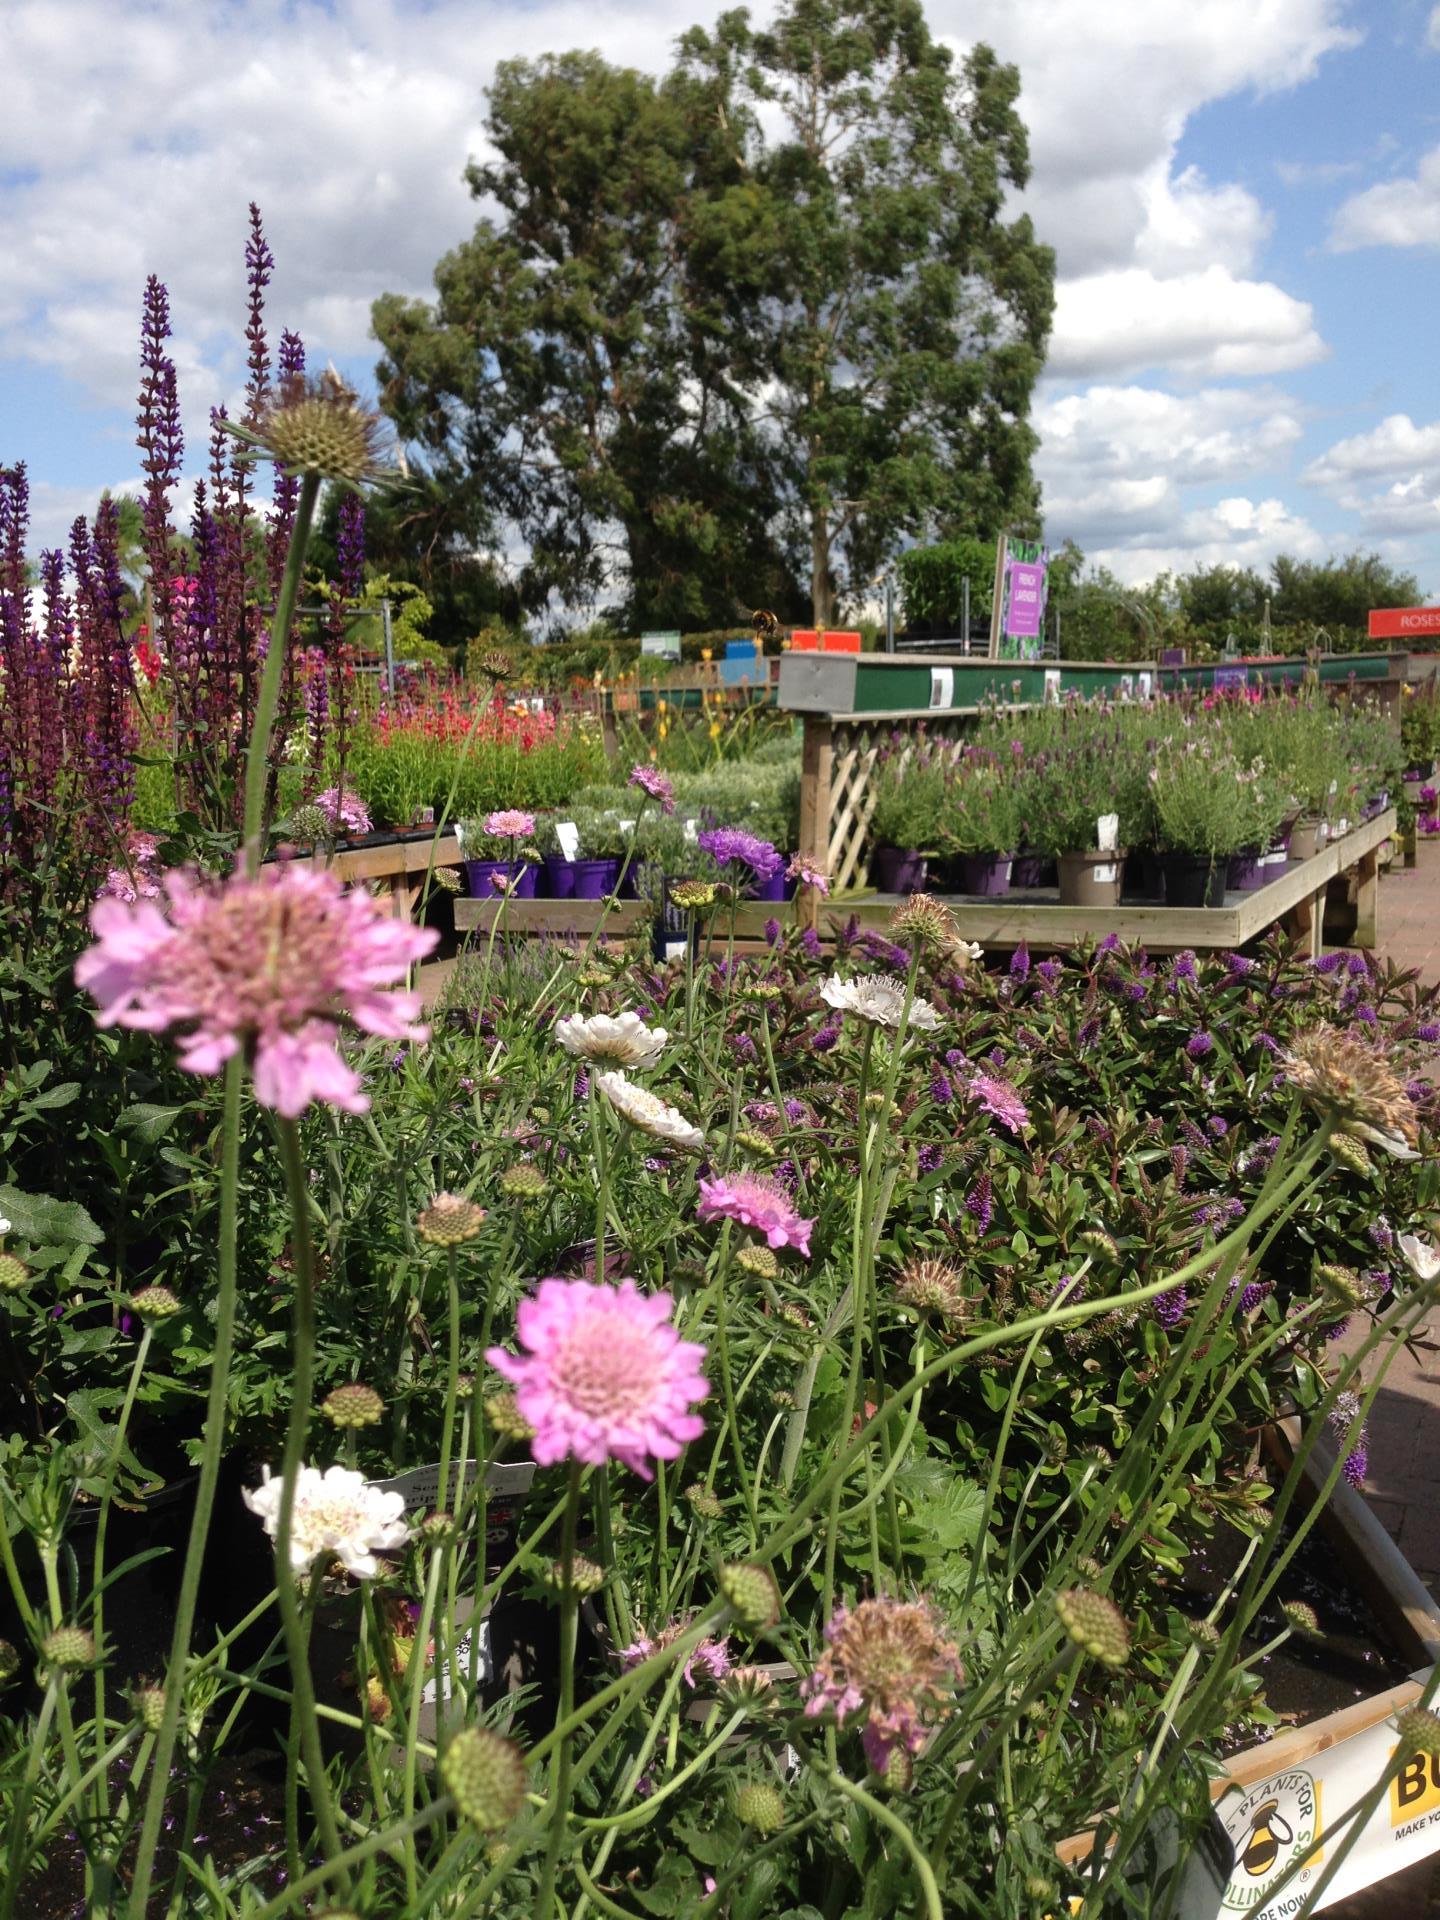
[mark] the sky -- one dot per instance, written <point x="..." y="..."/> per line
<point x="1243" y="197"/>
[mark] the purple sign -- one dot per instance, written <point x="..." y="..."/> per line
<point x="1026" y="608"/>
<point x="1230" y="679"/>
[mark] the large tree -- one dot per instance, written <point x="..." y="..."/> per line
<point x="890" y="320"/>
<point x="735" y="335"/>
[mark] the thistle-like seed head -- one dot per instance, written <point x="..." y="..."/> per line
<point x="506" y="1418"/>
<point x="1352" y="1084"/>
<point x="1095" y="1624"/>
<point x="753" y="1593"/>
<point x="14" y="1274"/>
<point x="319" y="426"/>
<point x="1419" y="1730"/>
<point x="149" y="1705"/>
<point x="586" y="1576"/>
<point x="524" y="1182"/>
<point x="755" y="1257"/>
<point x="450" y="1220"/>
<point x="1351" y="1154"/>
<point x="485" y="1774"/>
<point x="311" y="824"/>
<point x="755" y="1142"/>
<point x="1302" y="1619"/>
<point x="932" y="1287"/>
<point x="155" y="1303"/>
<point x="759" y="1805"/>
<point x="353" y="1405"/>
<point x="69" y="1648"/>
<point x="692" y="896"/>
<point x="707" y="1504"/>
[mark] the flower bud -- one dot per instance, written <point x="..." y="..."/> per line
<point x="485" y="1773"/>
<point x="14" y="1274"/>
<point x="450" y="1220"/>
<point x="69" y="1647"/>
<point x="1095" y="1624"/>
<point x="760" y="1806"/>
<point x="353" y="1405"/>
<point x="155" y="1303"/>
<point x="752" y="1592"/>
<point x="1419" y="1730"/>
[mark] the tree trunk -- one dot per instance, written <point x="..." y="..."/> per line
<point x="822" y="597"/>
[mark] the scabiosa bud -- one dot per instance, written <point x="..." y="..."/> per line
<point x="1344" y="1283"/>
<point x="1203" y="1632"/>
<point x="707" y="1504"/>
<point x="1097" y="1241"/>
<point x="693" y="896"/>
<point x="15" y="1276"/>
<point x="759" y="1805"/>
<point x="309" y="824"/>
<point x="450" y="1220"/>
<point x="149" y="1705"/>
<point x="353" y="1405"/>
<point x="505" y="1417"/>
<point x="585" y="1576"/>
<point x="1095" y="1624"/>
<point x="752" y="1592"/>
<point x="524" y="1182"/>
<point x="1302" y="1618"/>
<point x="746" y="1687"/>
<point x="758" y="1259"/>
<point x="485" y="1774"/>
<point x="1351" y="1154"/>
<point x="9" y="1663"/>
<point x="1419" y="1730"/>
<point x="447" y="879"/>
<point x="69" y="1648"/>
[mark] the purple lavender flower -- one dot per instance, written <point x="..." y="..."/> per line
<point x="1049" y="971"/>
<point x="1328" y="962"/>
<point x="1199" y="1044"/>
<point x="1218" y="1126"/>
<point x="1381" y="1234"/>
<point x="1359" y="966"/>
<point x="1429" y="1033"/>
<point x="1179" y="1163"/>
<point x="1338" y="1330"/>
<point x="1237" y="966"/>
<point x="1355" y="1466"/>
<point x="956" y="1060"/>
<point x="942" y="1090"/>
<point x="1020" y="963"/>
<point x="883" y="952"/>
<point x="824" y="1038"/>
<point x="810" y="941"/>
<point x="582" y="1085"/>
<point x="979" y="1202"/>
<point x="1109" y="943"/>
<point x="929" y="1158"/>
<point x="732" y="845"/>
<point x="1269" y="1043"/>
<point x="742" y="1047"/>
<point x="1184" y="967"/>
<point x="772" y="933"/>
<point x="1170" y="1307"/>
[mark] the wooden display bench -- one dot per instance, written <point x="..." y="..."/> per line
<point x="401" y="864"/>
<point x="1296" y="901"/>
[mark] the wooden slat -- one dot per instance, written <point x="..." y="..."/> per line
<point x="387" y="863"/>
<point x="556" y="917"/>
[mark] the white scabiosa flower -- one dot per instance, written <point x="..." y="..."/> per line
<point x="337" y="1512"/>
<point x="612" y="1040"/>
<point x="1421" y="1256"/>
<point x="880" y="1001"/>
<point x="649" y="1113"/>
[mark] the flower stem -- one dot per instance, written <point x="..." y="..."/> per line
<point x="267" y="700"/>
<point x="560" y="1775"/>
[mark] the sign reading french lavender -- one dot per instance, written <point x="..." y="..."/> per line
<point x="1022" y="590"/>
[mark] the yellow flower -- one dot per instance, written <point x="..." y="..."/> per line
<point x="714" y="729"/>
<point x="660" y="705"/>
<point x="706" y="653"/>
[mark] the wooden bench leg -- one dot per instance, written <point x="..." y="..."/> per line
<point x="1306" y="923"/>
<point x="1408" y="843"/>
<point x="1367" y="902"/>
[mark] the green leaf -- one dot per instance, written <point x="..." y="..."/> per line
<point x="148" y="1122"/>
<point x="37" y="1217"/>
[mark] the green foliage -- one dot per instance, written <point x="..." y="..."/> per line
<point x="932" y="583"/>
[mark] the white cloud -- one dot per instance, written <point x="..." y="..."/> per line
<point x="1397" y="451"/>
<point x="1432" y="31"/>
<point x="1397" y="213"/>
<point x="1237" y="532"/>
<point x="1205" y="322"/>
<point x="1212" y="435"/>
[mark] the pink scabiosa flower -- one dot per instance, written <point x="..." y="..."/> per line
<point x="711" y="1659"/>
<point x="604" y="1375"/>
<point x="756" y="1201"/>
<point x="345" y="811"/>
<point x="1000" y="1100"/>
<point x="650" y="780"/>
<point x="267" y="967"/>
<point x="510" y="824"/>
<point x="892" y="1660"/>
<point x="807" y="873"/>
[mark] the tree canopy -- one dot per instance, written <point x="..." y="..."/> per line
<point x="732" y="336"/>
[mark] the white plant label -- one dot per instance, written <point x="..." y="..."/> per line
<point x="568" y="836"/>
<point x="1127" y="686"/>
<point x="1147" y="685"/>
<point x="1104" y="876"/>
<point x="1052" y="686"/>
<point x="1107" y="835"/>
<point x="942" y="686"/>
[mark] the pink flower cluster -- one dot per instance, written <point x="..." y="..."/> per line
<point x="711" y="1659"/>
<point x="1000" y="1100"/>
<point x="605" y="1376"/>
<point x="891" y="1660"/>
<point x="140" y="878"/>
<point x="345" y="811"/>
<point x="511" y="824"/>
<point x="268" y="967"/>
<point x="756" y="1201"/>
<point x="650" y="780"/>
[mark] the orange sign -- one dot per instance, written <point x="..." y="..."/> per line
<point x="1403" y="623"/>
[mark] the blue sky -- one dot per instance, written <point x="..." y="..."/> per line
<point x="1244" y="197"/>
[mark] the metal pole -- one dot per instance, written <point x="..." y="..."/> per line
<point x="1058" y="654"/>
<point x="889" y="613"/>
<point x="389" y="646"/>
<point x="965" y="611"/>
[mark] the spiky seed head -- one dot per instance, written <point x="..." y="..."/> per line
<point x="692" y="896"/>
<point x="69" y="1647"/>
<point x="932" y="1287"/>
<point x="783" y="1398"/>
<point x="310" y="824"/>
<point x="149" y="1704"/>
<point x="755" y="1257"/>
<point x="1351" y="1154"/>
<point x="761" y="992"/>
<point x="1089" y="1568"/>
<point x="755" y="1142"/>
<point x="1203" y="1632"/>
<point x="438" y="1529"/>
<point x="9" y="1663"/>
<point x="447" y="879"/>
<point x="1419" y="1730"/>
<point x="505" y="1417"/>
<point x="495" y="664"/>
<point x="14" y="1274"/>
<point x="759" y="1805"/>
<point x="353" y="1405"/>
<point x="586" y="1577"/>
<point x="155" y="1303"/>
<point x="753" y="1593"/>
<point x="1302" y="1619"/>
<point x="1095" y="1624"/>
<point x="594" y="976"/>
<point x="450" y="1220"/>
<point x="1053" y="1446"/>
<point x="524" y="1182"/>
<point x="746" y="1687"/>
<point x="1351" y="1083"/>
<point x="707" y="1504"/>
<point x="1342" y="1283"/>
<point x="795" y="1316"/>
<point x="1097" y="1241"/>
<point x="319" y="426"/>
<point x="464" y="1386"/>
<point x="898" y="1771"/>
<point x="1038" y="1888"/>
<point x="485" y="1773"/>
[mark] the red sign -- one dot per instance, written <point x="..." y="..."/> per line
<point x="1403" y="623"/>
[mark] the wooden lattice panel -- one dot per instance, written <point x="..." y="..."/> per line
<point x="839" y="789"/>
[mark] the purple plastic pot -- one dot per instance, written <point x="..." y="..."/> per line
<point x="777" y="887"/>
<point x="1246" y="871"/>
<point x="898" y="871"/>
<point x="527" y="884"/>
<point x="595" y="878"/>
<point x="477" y="876"/>
<point x="1027" y="870"/>
<point x="987" y="874"/>
<point x="559" y="877"/>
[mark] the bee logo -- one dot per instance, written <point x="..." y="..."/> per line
<point x="1269" y="1832"/>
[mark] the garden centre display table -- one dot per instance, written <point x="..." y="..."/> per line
<point x="401" y="864"/>
<point x="1294" y="900"/>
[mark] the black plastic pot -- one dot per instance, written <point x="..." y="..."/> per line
<point x="1193" y="880"/>
<point x="898" y="870"/>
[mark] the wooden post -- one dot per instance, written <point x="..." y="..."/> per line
<point x="1307" y="923"/>
<point x="1367" y="900"/>
<point x="816" y="762"/>
<point x="1409" y="841"/>
<point x="1002" y="549"/>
